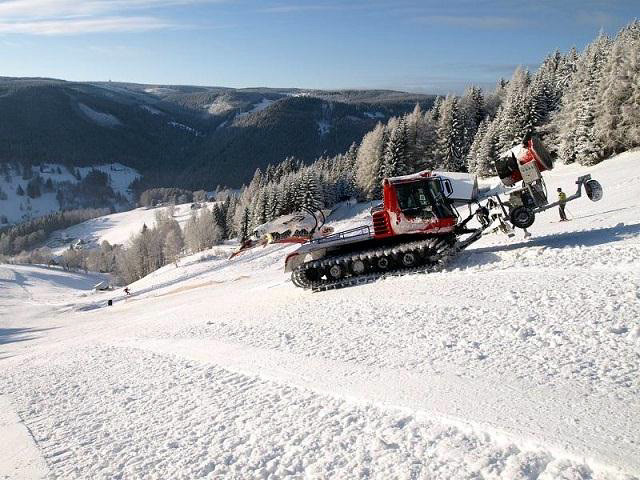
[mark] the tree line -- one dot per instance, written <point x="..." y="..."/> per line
<point x="584" y="106"/>
<point x="28" y="235"/>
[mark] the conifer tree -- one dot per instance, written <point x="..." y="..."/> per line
<point x="368" y="162"/>
<point x="472" y="156"/>
<point x="617" y="123"/>
<point x="488" y="151"/>
<point x="473" y="108"/>
<point x="449" y="151"/>
<point x="516" y="115"/>
<point x="395" y="156"/>
<point x="308" y="194"/>
<point x="243" y="232"/>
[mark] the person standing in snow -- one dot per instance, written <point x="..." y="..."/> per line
<point x="562" y="201"/>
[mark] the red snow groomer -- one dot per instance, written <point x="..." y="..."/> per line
<point x="418" y="228"/>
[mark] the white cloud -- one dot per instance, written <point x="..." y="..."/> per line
<point x="71" y="17"/>
<point x="597" y="18"/>
<point x="489" y="21"/>
<point x="74" y="26"/>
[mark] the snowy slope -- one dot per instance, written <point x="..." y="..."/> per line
<point x="19" y="208"/>
<point x="519" y="361"/>
<point x="257" y="107"/>
<point x="116" y="228"/>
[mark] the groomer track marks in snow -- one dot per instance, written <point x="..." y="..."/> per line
<point x="521" y="361"/>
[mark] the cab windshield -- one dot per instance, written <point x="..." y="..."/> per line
<point x="423" y="199"/>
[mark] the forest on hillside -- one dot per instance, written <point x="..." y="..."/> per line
<point x="188" y="137"/>
<point x="584" y="105"/>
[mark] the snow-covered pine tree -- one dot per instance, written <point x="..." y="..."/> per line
<point x="574" y="122"/>
<point x="286" y="200"/>
<point x="427" y="136"/>
<point x="435" y="109"/>
<point x="140" y="252"/>
<point x="272" y="195"/>
<point x="538" y="101"/>
<point x="474" y="151"/>
<point x="348" y="173"/>
<point x="473" y="109"/>
<point x="220" y="218"/>
<point x="368" y="162"/>
<point x="515" y="116"/>
<point x="589" y="150"/>
<point x="566" y="70"/>
<point x="327" y="187"/>
<point x="450" y="144"/>
<point x="259" y="209"/>
<point x="243" y="231"/>
<point x="230" y="215"/>
<point x="415" y="146"/>
<point x="350" y="158"/>
<point x="488" y="151"/>
<point x="309" y="195"/>
<point x="618" y="119"/>
<point x="394" y="162"/>
<point x="547" y="76"/>
<point x="269" y="174"/>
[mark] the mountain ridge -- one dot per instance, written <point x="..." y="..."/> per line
<point x="181" y="135"/>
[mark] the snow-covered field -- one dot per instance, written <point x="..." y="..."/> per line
<point x="521" y="361"/>
<point x="19" y="208"/>
<point x="116" y="228"/>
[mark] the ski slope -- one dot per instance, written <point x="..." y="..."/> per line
<point x="116" y="228"/>
<point x="518" y="362"/>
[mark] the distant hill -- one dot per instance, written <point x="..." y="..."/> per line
<point x="187" y="136"/>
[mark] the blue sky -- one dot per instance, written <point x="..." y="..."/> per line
<point x="422" y="46"/>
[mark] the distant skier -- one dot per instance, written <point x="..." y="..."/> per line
<point x="126" y="291"/>
<point x="562" y="199"/>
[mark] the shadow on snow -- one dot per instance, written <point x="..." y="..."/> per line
<point x="585" y="238"/>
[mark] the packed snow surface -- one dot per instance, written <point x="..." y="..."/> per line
<point x="520" y="361"/>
